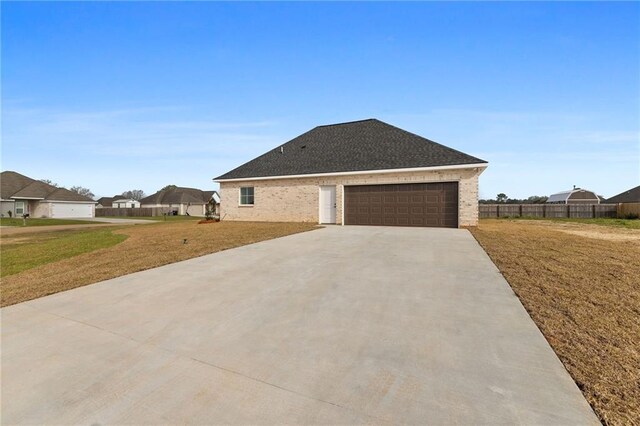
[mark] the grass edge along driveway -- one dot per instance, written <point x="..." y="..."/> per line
<point x="145" y="247"/>
<point x="583" y="292"/>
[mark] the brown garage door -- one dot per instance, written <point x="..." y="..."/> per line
<point x="415" y="204"/>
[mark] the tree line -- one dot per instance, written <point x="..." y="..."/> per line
<point x="502" y="198"/>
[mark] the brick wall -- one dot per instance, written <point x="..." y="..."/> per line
<point x="297" y="199"/>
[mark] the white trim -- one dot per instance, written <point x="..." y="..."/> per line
<point x="362" y="172"/>
<point x="240" y="196"/>
<point x="23" y="207"/>
<point x="27" y="198"/>
<point x="319" y="205"/>
<point x="8" y="201"/>
<point x="406" y="183"/>
<point x="342" y="190"/>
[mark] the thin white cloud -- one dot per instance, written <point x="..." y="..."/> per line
<point x="124" y="148"/>
<point x="538" y="152"/>
<point x="140" y="132"/>
<point x="603" y="137"/>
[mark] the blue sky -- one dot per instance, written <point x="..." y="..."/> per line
<point x="117" y="96"/>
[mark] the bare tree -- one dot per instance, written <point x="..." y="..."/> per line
<point x="82" y="191"/>
<point x="49" y="182"/>
<point x="134" y="194"/>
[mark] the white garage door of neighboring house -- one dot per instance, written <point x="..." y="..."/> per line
<point x="65" y="210"/>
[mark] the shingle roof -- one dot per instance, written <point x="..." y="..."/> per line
<point x="347" y="147"/>
<point x="15" y="185"/>
<point x="178" y="195"/>
<point x="35" y="189"/>
<point x="12" y="182"/>
<point x="630" y="196"/>
<point x="106" y="201"/>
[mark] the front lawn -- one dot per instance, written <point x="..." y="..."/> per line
<point x="580" y="283"/>
<point x="136" y="248"/>
<point x="26" y="252"/>
<point x="5" y="221"/>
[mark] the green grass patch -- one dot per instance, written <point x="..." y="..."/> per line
<point x="5" y="221"/>
<point x="20" y="253"/>
<point x="603" y="221"/>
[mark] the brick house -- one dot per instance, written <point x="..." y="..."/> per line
<point x="358" y="173"/>
<point x="20" y="194"/>
<point x="182" y="201"/>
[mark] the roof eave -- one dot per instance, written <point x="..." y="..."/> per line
<point x="360" y="172"/>
<point x="27" y="198"/>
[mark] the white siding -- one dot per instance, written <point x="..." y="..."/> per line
<point x="6" y="206"/>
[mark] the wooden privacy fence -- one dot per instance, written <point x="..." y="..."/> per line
<point x="128" y="212"/>
<point x="583" y="211"/>
<point x="627" y="209"/>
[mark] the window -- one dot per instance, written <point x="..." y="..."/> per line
<point x="19" y="208"/>
<point x="246" y="196"/>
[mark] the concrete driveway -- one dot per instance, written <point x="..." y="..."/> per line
<point x="340" y="325"/>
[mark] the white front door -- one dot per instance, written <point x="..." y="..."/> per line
<point x="327" y="204"/>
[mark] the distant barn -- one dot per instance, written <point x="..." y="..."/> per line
<point x="574" y="196"/>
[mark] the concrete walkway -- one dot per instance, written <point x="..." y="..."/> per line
<point x="340" y="325"/>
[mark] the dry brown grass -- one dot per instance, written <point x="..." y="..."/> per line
<point x="581" y="285"/>
<point x="146" y="247"/>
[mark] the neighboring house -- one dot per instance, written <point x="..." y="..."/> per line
<point x="630" y="196"/>
<point x="21" y="194"/>
<point x="182" y="201"/>
<point x="358" y="173"/>
<point x="118" y="201"/>
<point x="104" y="202"/>
<point x="574" y="196"/>
<point x="125" y="203"/>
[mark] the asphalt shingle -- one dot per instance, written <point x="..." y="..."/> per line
<point x="630" y="196"/>
<point x="347" y="147"/>
<point x="15" y="185"/>
<point x="178" y="195"/>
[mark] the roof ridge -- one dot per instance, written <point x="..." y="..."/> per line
<point x="348" y="122"/>
<point x="20" y="174"/>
